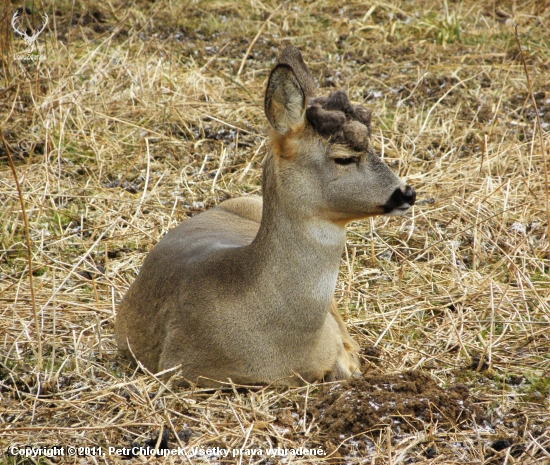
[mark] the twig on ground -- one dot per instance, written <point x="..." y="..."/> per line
<point x="248" y="50"/>
<point x="29" y="258"/>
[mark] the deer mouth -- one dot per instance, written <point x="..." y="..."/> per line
<point x="399" y="211"/>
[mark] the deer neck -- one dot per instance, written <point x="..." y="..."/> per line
<point x="298" y="256"/>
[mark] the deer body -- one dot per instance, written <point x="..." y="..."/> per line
<point x="244" y="291"/>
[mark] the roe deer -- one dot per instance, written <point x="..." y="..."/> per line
<point x="244" y="291"/>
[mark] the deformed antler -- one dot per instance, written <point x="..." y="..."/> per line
<point x="28" y="39"/>
<point x="337" y="118"/>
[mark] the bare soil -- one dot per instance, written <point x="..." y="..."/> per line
<point x="405" y="402"/>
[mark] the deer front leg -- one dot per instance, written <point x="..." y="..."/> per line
<point x="347" y="364"/>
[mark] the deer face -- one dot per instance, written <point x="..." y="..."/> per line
<point x="323" y="156"/>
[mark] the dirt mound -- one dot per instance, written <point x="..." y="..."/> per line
<point x="407" y="402"/>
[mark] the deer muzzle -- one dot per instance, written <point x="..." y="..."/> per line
<point x="400" y="201"/>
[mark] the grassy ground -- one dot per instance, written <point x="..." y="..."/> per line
<point x="145" y="113"/>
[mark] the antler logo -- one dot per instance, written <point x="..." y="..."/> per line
<point x="28" y="39"/>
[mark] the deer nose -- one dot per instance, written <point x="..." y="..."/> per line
<point x="400" y="201"/>
<point x="409" y="195"/>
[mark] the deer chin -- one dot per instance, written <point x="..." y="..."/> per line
<point x="399" y="211"/>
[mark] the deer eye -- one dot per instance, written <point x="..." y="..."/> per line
<point x="346" y="161"/>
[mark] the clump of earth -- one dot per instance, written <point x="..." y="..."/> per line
<point x="406" y="402"/>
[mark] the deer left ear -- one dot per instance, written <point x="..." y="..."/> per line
<point x="288" y="89"/>
<point x="285" y="101"/>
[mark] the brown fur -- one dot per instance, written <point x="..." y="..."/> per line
<point x="244" y="291"/>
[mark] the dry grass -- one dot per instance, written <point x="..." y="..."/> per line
<point x="148" y="94"/>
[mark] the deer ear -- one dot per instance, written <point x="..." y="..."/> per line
<point x="288" y="89"/>
<point x="285" y="102"/>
